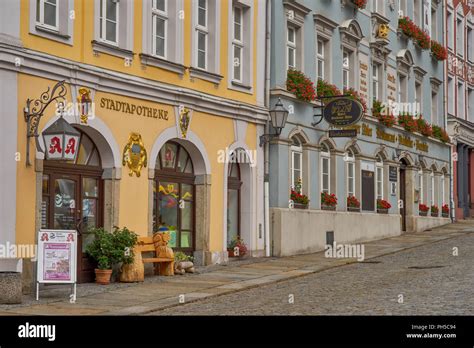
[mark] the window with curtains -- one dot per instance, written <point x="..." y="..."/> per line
<point x="109" y="21"/>
<point x="379" y="178"/>
<point x="325" y="169"/>
<point x="160" y="27"/>
<point x="296" y="162"/>
<point x="202" y="34"/>
<point x="350" y="173"/>
<point x="47" y="13"/>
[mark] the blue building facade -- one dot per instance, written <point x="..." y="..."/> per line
<point x="363" y="49"/>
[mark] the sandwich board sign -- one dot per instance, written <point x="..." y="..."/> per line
<point x="57" y="258"/>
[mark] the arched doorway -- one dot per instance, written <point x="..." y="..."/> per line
<point x="234" y="184"/>
<point x="174" y="196"/>
<point x="72" y="198"/>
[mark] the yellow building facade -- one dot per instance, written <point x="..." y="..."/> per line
<point x="180" y="81"/>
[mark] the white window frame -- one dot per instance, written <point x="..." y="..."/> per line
<point x="236" y="43"/>
<point x="103" y="23"/>
<point x="291" y="46"/>
<point x="470" y="43"/>
<point x="434" y="23"/>
<point x="419" y="95"/>
<point x="460" y="37"/>
<point x="461" y="105"/>
<point x="162" y="15"/>
<point x="443" y="190"/>
<point x="402" y="8"/>
<point x="375" y="81"/>
<point x="432" y="189"/>
<point x="204" y="30"/>
<point x="452" y="93"/>
<point x="325" y="156"/>
<point x="296" y="151"/>
<point x="42" y="4"/>
<point x="320" y="58"/>
<point x="450" y="28"/>
<point x="350" y="179"/>
<point x="379" y="179"/>
<point x="346" y="69"/>
<point x="402" y="95"/>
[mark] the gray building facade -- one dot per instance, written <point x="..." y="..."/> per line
<point x="342" y="44"/>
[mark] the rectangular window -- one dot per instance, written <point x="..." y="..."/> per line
<point x="443" y="192"/>
<point x="109" y="21"/>
<point x="434" y="107"/>
<point x="346" y="72"/>
<point x="402" y="8"/>
<point x="325" y="172"/>
<point x="202" y="34"/>
<point x="320" y="59"/>
<point x="434" y="24"/>
<point x="432" y="193"/>
<point x="375" y="82"/>
<point x="460" y="37"/>
<point x="237" y="44"/>
<point x="296" y="175"/>
<point x="418" y="96"/>
<point x="460" y="99"/>
<point x="470" y="104"/>
<point x="451" y="95"/>
<point x="402" y="88"/>
<point x="47" y="13"/>
<point x="350" y="179"/>
<point x="420" y="186"/>
<point x="379" y="184"/>
<point x="291" y="47"/>
<point x="450" y="24"/>
<point x="160" y="27"/>
<point x="417" y="12"/>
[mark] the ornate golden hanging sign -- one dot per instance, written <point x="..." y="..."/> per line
<point x="84" y="102"/>
<point x="134" y="154"/>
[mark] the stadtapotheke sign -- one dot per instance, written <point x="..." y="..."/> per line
<point x="343" y="112"/>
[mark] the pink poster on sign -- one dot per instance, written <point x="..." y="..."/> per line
<point x="57" y="261"/>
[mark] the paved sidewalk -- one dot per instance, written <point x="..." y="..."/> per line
<point x="158" y="293"/>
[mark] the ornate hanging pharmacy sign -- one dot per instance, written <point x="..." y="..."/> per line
<point x="343" y="112"/>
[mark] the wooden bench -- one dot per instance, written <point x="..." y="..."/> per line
<point x="163" y="265"/>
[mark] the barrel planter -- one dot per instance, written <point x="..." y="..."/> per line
<point x="10" y="287"/>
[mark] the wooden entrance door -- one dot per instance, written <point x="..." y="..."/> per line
<point x="403" y="197"/>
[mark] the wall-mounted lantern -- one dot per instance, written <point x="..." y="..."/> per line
<point x="278" y="117"/>
<point x="61" y="141"/>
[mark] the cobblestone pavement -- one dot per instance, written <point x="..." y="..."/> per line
<point x="431" y="280"/>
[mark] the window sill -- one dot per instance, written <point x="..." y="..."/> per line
<point x="51" y="34"/>
<point x="51" y="31"/>
<point x="102" y="47"/>
<point x="205" y="75"/>
<point x="161" y="63"/>
<point x="380" y="18"/>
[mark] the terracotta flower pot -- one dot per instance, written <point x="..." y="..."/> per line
<point x="102" y="276"/>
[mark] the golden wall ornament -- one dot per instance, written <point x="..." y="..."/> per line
<point x="184" y="119"/>
<point x="382" y="32"/>
<point x="84" y="102"/>
<point x="134" y="154"/>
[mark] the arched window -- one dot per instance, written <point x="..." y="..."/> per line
<point x="173" y="196"/>
<point x="296" y="162"/>
<point x="325" y="169"/>
<point x="234" y="185"/>
<point x="379" y="177"/>
<point x="350" y="160"/>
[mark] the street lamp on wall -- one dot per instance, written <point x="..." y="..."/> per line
<point x="278" y="117"/>
<point x="61" y="132"/>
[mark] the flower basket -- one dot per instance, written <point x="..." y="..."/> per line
<point x="382" y="211"/>
<point x="438" y="52"/>
<point x="408" y="122"/>
<point x="237" y="242"/>
<point x="423" y="127"/>
<point x="434" y="211"/>
<point x="300" y="85"/>
<point x="360" y="4"/>
<point x="440" y="134"/>
<point x="353" y="204"/>
<point x="423" y="208"/>
<point x="434" y="214"/>
<point x="328" y="207"/>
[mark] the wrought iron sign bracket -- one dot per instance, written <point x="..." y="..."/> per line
<point x="34" y="111"/>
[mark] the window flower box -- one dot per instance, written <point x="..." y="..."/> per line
<point x="423" y="208"/>
<point x="438" y="51"/>
<point x="328" y="207"/>
<point x="300" y="201"/>
<point x="434" y="211"/>
<point x="445" y="211"/>
<point x="300" y="206"/>
<point x="328" y="201"/>
<point x="353" y="204"/>
<point x="383" y="206"/>
<point x="300" y="85"/>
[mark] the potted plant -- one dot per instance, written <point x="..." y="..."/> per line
<point x="440" y="134"/>
<point x="300" y="201"/>
<point x="424" y="127"/>
<point x="383" y="206"/>
<point x="438" y="51"/>
<point x="328" y="201"/>
<point x="238" y="243"/>
<point x="407" y="122"/>
<point x="434" y="210"/>
<point x="353" y="204"/>
<point x="423" y="209"/>
<point x="109" y="249"/>
<point x="360" y="4"/>
<point x="383" y="115"/>
<point x="445" y="211"/>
